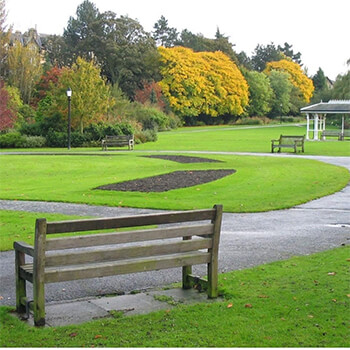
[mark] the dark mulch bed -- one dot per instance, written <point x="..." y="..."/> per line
<point x="170" y="181"/>
<point x="184" y="159"/>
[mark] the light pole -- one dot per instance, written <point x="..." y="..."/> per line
<point x="69" y="95"/>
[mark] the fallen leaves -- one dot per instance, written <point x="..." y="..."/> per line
<point x="229" y="305"/>
<point x="332" y="273"/>
<point x="249" y="306"/>
<point x="72" y="335"/>
<point x="97" y="336"/>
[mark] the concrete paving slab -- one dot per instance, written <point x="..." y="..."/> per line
<point x="131" y="304"/>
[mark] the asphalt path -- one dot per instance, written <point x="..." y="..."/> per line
<point x="246" y="240"/>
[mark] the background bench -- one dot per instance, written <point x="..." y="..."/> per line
<point x="288" y="141"/>
<point x="331" y="133"/>
<point x="116" y="253"/>
<point x="118" y="141"/>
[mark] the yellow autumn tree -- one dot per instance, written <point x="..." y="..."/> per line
<point x="296" y="76"/>
<point x="202" y="82"/>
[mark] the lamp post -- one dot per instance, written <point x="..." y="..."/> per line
<point x="69" y="95"/>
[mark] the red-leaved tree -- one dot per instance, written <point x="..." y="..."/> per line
<point x="151" y="93"/>
<point x="7" y="116"/>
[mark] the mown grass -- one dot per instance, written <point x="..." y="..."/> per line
<point x="300" y="302"/>
<point x="244" y="139"/>
<point x="260" y="183"/>
<point x="226" y="138"/>
<point x="20" y="226"/>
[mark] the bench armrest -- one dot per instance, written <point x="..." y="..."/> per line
<point x="24" y="248"/>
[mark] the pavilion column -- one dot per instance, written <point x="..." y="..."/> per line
<point x="307" y="126"/>
<point x="316" y="127"/>
<point x="342" y="124"/>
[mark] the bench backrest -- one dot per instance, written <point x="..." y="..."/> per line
<point x="291" y="140"/>
<point x="119" y="137"/>
<point x="164" y="240"/>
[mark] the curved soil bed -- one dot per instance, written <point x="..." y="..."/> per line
<point x="170" y="181"/>
<point x="184" y="159"/>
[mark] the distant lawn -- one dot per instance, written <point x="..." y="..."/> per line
<point x="244" y="139"/>
<point x="300" y="302"/>
<point x="225" y="138"/>
<point x="260" y="183"/>
<point x="20" y="226"/>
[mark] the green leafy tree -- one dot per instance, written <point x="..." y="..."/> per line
<point x="287" y="50"/>
<point x="264" y="54"/>
<point x="90" y="97"/>
<point x="319" y="80"/>
<point x="4" y="39"/>
<point x="163" y="34"/>
<point x="282" y="88"/>
<point x="24" y="64"/>
<point x="260" y="93"/>
<point x="341" y="89"/>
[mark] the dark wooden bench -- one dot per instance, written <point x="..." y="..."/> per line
<point x="288" y="141"/>
<point x="332" y="133"/>
<point x="345" y="134"/>
<point x="118" y="141"/>
<point x="115" y="253"/>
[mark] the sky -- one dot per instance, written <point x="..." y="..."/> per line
<point x="319" y="29"/>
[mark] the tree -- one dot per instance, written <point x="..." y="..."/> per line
<point x="319" y="80"/>
<point x="287" y="50"/>
<point x="260" y="93"/>
<point x="296" y="77"/>
<point x="90" y="98"/>
<point x="24" y="68"/>
<point x="199" y="43"/>
<point x="282" y="88"/>
<point x="202" y="82"/>
<point x="4" y="39"/>
<point x="341" y="89"/>
<point x="150" y="93"/>
<point x="264" y="54"/>
<point x="7" y="114"/>
<point x="163" y="34"/>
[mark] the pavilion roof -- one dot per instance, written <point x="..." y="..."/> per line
<point x="331" y="107"/>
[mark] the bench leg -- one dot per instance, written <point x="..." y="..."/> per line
<point x="213" y="280"/>
<point x="21" y="293"/>
<point x="39" y="303"/>
<point x="186" y="271"/>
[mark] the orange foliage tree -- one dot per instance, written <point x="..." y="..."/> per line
<point x="296" y="76"/>
<point x="202" y="82"/>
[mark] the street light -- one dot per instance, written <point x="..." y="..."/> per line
<point x="69" y="95"/>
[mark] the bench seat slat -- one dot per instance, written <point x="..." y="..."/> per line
<point x="69" y="273"/>
<point x="128" y="236"/>
<point x="140" y="220"/>
<point x="102" y="255"/>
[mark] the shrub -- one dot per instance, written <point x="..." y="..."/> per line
<point x="60" y="139"/>
<point x="16" y="140"/>
<point x="11" y="140"/>
<point x="146" y="136"/>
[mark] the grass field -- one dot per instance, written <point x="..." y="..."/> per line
<point x="228" y="138"/>
<point x="300" y="302"/>
<point x="260" y="183"/>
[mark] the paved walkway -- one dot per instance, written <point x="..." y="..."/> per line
<point x="247" y="240"/>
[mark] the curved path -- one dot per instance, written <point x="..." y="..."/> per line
<point x="247" y="239"/>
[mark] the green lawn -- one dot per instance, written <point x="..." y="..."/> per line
<point x="227" y="138"/>
<point x="300" y="302"/>
<point x="20" y="226"/>
<point x="260" y="183"/>
<point x="240" y="140"/>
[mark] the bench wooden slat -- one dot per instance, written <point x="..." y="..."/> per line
<point x="125" y="266"/>
<point x="288" y="141"/>
<point x="94" y="240"/>
<point x="82" y="257"/>
<point x="131" y="221"/>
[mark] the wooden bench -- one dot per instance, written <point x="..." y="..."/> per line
<point x="288" y="141"/>
<point x="115" y="253"/>
<point x="331" y="133"/>
<point x="345" y="134"/>
<point x="118" y="141"/>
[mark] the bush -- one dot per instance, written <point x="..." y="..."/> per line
<point x="16" y="140"/>
<point x="60" y="139"/>
<point x="253" y="121"/>
<point x="146" y="136"/>
<point x="11" y="140"/>
<point x="33" y="141"/>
